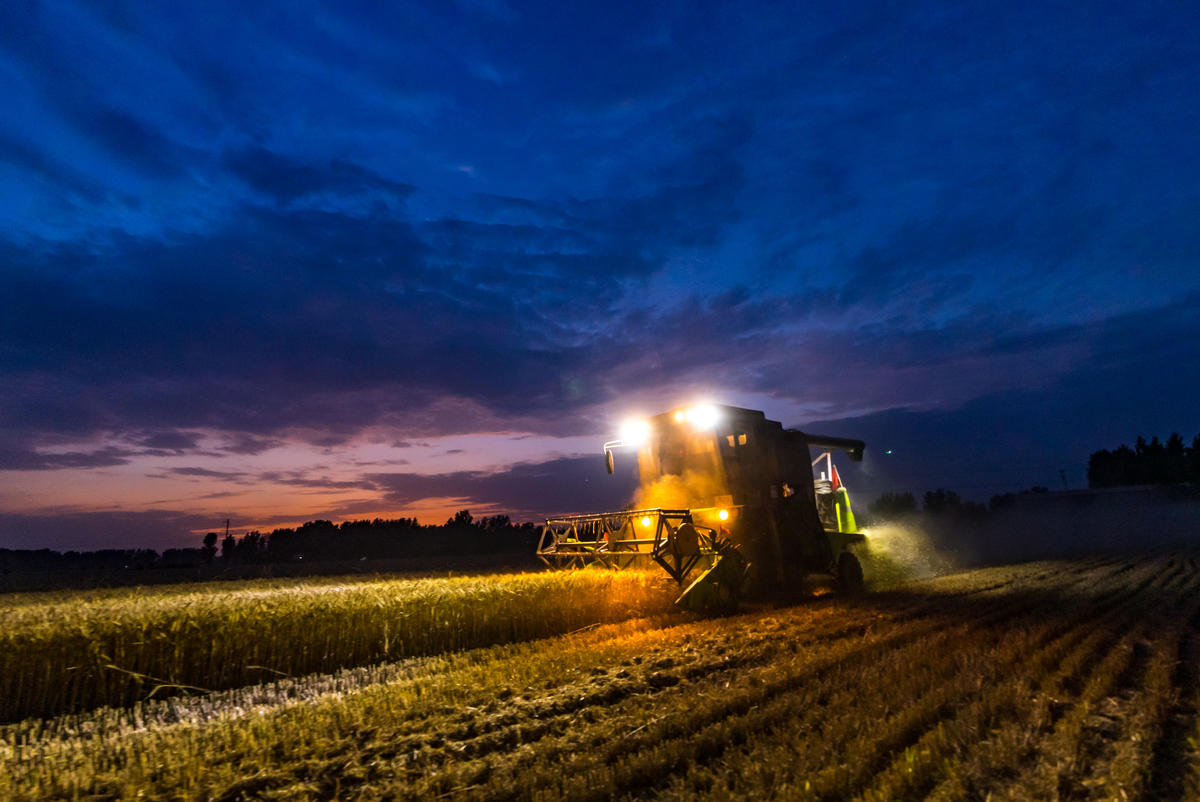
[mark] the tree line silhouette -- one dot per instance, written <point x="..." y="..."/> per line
<point x="941" y="503"/>
<point x="1152" y="463"/>
<point x="315" y="541"/>
<point x="366" y="540"/>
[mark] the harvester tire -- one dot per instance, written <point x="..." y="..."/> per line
<point x="850" y="574"/>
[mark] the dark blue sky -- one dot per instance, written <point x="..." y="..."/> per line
<point x="345" y="260"/>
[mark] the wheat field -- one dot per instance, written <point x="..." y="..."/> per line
<point x="67" y="652"/>
<point x="1051" y="680"/>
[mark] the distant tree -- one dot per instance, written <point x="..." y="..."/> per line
<point x="1193" y="460"/>
<point x="941" y="502"/>
<point x="890" y="506"/>
<point x="181" y="558"/>
<point x="316" y="541"/>
<point x="1175" y="461"/>
<point x="1151" y="465"/>
<point x="973" y="509"/>
<point x="1116" y="468"/>
<point x="251" y="545"/>
<point x="1001" y="501"/>
<point x="210" y="546"/>
<point x="1151" y="462"/>
<point x="1102" y="469"/>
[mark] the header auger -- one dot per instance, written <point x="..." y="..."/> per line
<point x="728" y="504"/>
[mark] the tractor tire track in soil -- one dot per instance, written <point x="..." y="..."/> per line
<point x="719" y="715"/>
<point x="1169" y="762"/>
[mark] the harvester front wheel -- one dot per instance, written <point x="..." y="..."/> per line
<point x="850" y="574"/>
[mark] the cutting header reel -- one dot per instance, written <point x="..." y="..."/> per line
<point x="669" y="538"/>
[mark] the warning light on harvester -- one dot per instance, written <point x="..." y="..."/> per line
<point x="723" y="515"/>
<point x="646" y="521"/>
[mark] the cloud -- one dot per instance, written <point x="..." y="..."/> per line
<point x="287" y="180"/>
<point x="304" y="479"/>
<point x="207" y="473"/>
<point x="21" y="454"/>
<point x="333" y="320"/>
<point x="134" y="141"/>
<point x="525" y="491"/>
<point x="102" y="529"/>
<point x="63" y="177"/>
<point x="164" y="442"/>
<point x="245" y="444"/>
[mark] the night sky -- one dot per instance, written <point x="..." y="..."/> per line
<point x="346" y="261"/>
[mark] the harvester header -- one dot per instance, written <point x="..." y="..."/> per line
<point x="728" y="493"/>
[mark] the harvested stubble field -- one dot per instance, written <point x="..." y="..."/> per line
<point x="1068" y="680"/>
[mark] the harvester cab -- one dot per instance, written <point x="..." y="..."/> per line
<point x="728" y="506"/>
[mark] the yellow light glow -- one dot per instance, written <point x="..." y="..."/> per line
<point x="723" y="515"/>
<point x="635" y="433"/>
<point x="703" y="416"/>
<point x="680" y="416"/>
<point x="646" y="521"/>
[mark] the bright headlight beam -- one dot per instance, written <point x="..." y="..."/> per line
<point x="703" y="416"/>
<point x="635" y="433"/>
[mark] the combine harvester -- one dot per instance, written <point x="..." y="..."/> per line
<point x="729" y="494"/>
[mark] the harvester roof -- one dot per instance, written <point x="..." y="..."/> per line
<point x="718" y="420"/>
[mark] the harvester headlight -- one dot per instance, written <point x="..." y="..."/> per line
<point x="703" y="416"/>
<point x="646" y="521"/>
<point x="681" y="416"/>
<point x="635" y="433"/>
<point x="723" y="515"/>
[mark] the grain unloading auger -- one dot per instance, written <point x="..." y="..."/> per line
<point x="729" y="506"/>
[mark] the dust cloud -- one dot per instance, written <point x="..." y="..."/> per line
<point x="672" y="491"/>
<point x="1035" y="527"/>
<point x="902" y="551"/>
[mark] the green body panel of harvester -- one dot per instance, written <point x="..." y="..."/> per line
<point x="728" y="506"/>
